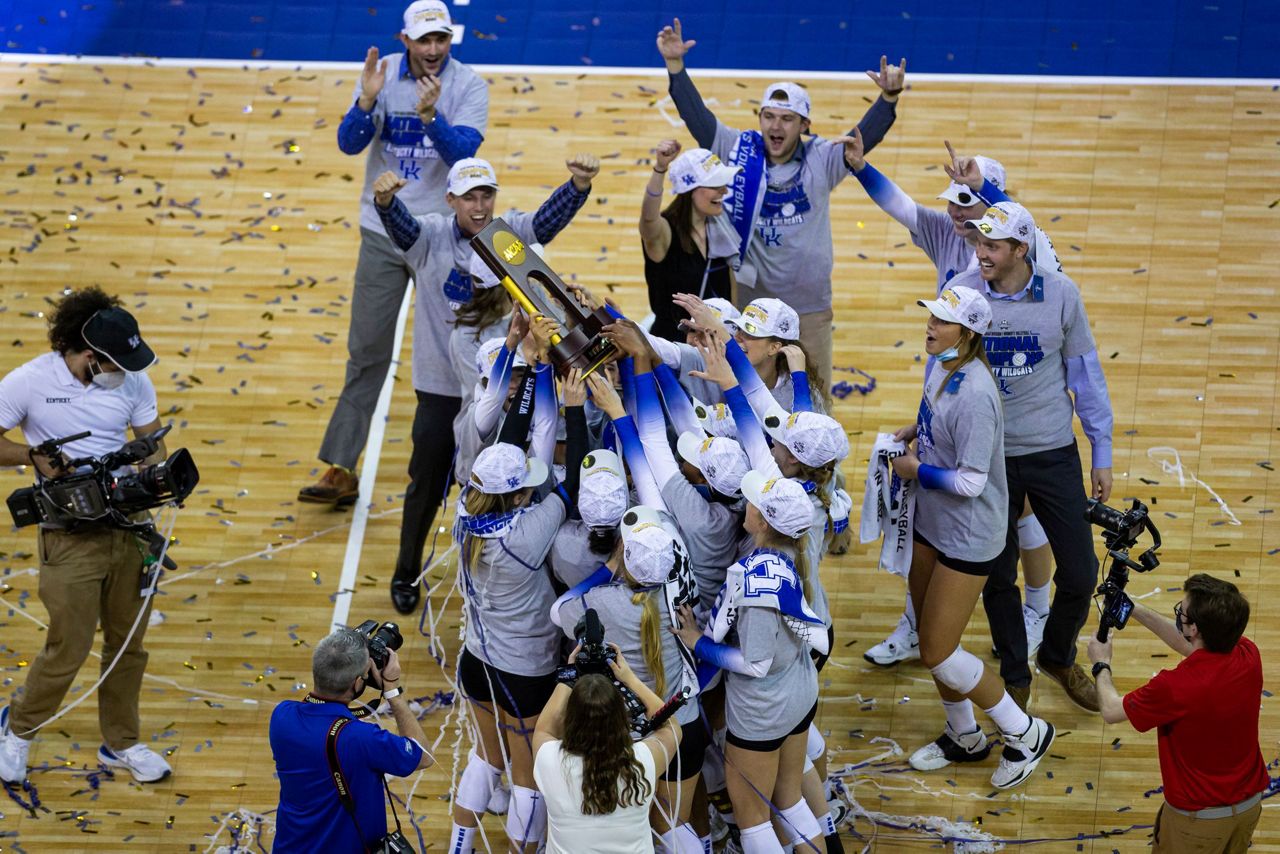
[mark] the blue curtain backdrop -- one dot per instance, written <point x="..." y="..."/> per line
<point x="1183" y="38"/>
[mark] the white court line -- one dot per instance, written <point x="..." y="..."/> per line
<point x="369" y="475"/>
<point x="655" y="72"/>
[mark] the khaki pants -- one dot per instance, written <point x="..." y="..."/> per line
<point x="1181" y="834"/>
<point x="815" y="335"/>
<point x="85" y="577"/>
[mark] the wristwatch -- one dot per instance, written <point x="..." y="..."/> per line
<point x="392" y="693"/>
<point x="1099" y="666"/>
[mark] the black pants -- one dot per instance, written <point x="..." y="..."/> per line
<point x="430" y="466"/>
<point x="1053" y="482"/>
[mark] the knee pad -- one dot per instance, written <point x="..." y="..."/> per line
<point x="476" y="785"/>
<point x="683" y="840"/>
<point x="799" y="824"/>
<point x="961" y="671"/>
<point x="816" y="746"/>
<point x="526" y="816"/>
<point x="760" y="839"/>
<point x="1031" y="534"/>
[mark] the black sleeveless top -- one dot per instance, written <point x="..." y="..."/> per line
<point x="681" y="272"/>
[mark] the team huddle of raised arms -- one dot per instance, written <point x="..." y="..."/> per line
<point x="688" y="492"/>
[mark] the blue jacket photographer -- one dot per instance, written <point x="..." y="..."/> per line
<point x="311" y="816"/>
<point x="1205" y="712"/>
<point x="93" y="380"/>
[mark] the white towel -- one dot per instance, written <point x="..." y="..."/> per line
<point x="888" y="506"/>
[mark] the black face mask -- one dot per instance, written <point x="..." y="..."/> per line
<point x="1179" y="625"/>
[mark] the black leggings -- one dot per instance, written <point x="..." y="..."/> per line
<point x="430" y="466"/>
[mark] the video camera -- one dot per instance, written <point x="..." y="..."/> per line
<point x="98" y="495"/>
<point x="1120" y="532"/>
<point x="380" y="640"/>
<point x="594" y="656"/>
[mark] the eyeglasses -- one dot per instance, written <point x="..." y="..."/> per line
<point x="1181" y="615"/>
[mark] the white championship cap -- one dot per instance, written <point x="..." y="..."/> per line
<point x="961" y="305"/>
<point x="721" y="461"/>
<point x="813" y="438"/>
<point x="699" y="167"/>
<point x="602" y="489"/>
<point x="782" y="502"/>
<point x="786" y="96"/>
<point x="1006" y="221"/>
<point x="504" y="468"/>
<point x="469" y="173"/>
<point x="488" y="354"/>
<point x="991" y="169"/>
<point x="768" y="318"/>
<point x="426" y="16"/>
<point x="651" y="546"/>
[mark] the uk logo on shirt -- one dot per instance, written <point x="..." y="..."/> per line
<point x="924" y="427"/>
<point x="457" y="288"/>
<point x="784" y="207"/>
<point x="404" y="136"/>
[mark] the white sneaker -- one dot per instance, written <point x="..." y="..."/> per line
<point x="1035" y="629"/>
<point x="499" y="799"/>
<point x="1021" y="755"/>
<point x="902" y="645"/>
<point x="13" y="752"/>
<point x="143" y="763"/>
<point x="951" y="747"/>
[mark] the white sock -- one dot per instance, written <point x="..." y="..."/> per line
<point x="910" y="610"/>
<point x="460" y="839"/>
<point x="708" y="846"/>
<point x="760" y="840"/>
<point x="960" y="716"/>
<point x="828" y="824"/>
<point x="1011" y="720"/>
<point x="1037" y="598"/>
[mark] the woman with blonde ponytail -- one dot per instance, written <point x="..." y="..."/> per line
<point x="634" y="593"/>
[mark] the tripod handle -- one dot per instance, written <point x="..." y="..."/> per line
<point x="1102" y="630"/>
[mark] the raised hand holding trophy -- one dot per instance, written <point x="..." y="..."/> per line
<point x="538" y="290"/>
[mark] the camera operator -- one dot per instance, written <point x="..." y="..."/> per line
<point x="93" y="380"/>
<point x="598" y="783"/>
<point x="1207" y="712"/>
<point x="311" y="817"/>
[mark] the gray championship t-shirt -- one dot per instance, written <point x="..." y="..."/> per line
<point x="769" y="706"/>
<point x="936" y="235"/>
<point x="710" y="531"/>
<point x="621" y="621"/>
<point x="400" y="144"/>
<point x="1028" y="344"/>
<point x="509" y="606"/>
<point x="571" y="558"/>
<point x="441" y="260"/>
<point x="791" y="248"/>
<point x="963" y="426"/>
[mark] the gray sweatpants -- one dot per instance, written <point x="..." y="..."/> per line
<point x="381" y="277"/>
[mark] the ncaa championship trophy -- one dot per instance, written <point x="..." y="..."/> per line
<point x="538" y="290"/>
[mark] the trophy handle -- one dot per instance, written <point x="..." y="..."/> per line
<point x="524" y="302"/>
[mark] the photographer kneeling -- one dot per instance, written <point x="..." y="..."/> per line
<point x="311" y="816"/>
<point x="598" y="783"/>
<point x="1207" y="712"/>
<point x="90" y="572"/>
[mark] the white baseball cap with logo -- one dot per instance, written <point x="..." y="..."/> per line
<point x="768" y="318"/>
<point x="991" y="169"/>
<point x="602" y="489"/>
<point x="469" y="173"/>
<point x="699" y="167"/>
<point x="426" y="16"/>
<point x="651" y="545"/>
<point x="724" y="309"/>
<point x="961" y="305"/>
<point x="782" y="502"/>
<point x="721" y="461"/>
<point x="504" y="468"/>
<point x="813" y="438"/>
<point x="488" y="354"/>
<point x="786" y="96"/>
<point x="1006" y="221"/>
<point x="716" y="420"/>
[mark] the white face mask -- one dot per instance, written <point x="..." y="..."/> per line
<point x="105" y="379"/>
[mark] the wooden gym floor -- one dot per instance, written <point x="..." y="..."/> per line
<point x="215" y="201"/>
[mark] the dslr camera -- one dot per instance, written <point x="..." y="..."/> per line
<point x="98" y="495"/>
<point x="1120" y="532"/>
<point x="380" y="640"/>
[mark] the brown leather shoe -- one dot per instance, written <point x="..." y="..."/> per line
<point x="1079" y="687"/>
<point x="1021" y="694"/>
<point x="337" y="486"/>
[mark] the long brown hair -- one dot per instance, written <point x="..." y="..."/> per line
<point x="486" y="306"/>
<point x="650" y="631"/>
<point x="596" y="729"/>
<point x="679" y="215"/>
<point x="811" y="370"/>
<point x="478" y="503"/>
<point x="970" y="347"/>
<point x="772" y="538"/>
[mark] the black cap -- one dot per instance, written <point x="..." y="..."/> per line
<point x="114" y="333"/>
